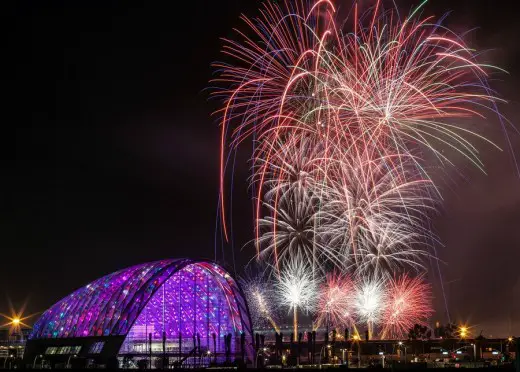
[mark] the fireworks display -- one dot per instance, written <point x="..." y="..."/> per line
<point x="342" y="115"/>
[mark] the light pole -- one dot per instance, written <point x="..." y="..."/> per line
<point x="208" y="354"/>
<point x="7" y="358"/>
<point x="404" y="347"/>
<point x="328" y="347"/>
<point x="257" y="353"/>
<point x="68" y="360"/>
<point x="356" y="339"/>
<point x="35" y="358"/>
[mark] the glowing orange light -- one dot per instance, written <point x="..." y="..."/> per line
<point x="15" y="321"/>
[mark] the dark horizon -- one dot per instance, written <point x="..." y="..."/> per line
<point x="111" y="154"/>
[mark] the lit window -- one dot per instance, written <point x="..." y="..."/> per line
<point x="75" y="349"/>
<point x="64" y="350"/>
<point x="96" y="347"/>
<point x="51" y="350"/>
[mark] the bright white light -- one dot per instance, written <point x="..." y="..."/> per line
<point x="370" y="301"/>
<point x="296" y="287"/>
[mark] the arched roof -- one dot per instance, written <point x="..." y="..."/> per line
<point x="110" y="305"/>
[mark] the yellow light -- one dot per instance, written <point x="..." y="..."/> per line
<point x="355" y="337"/>
<point x="510" y="339"/>
<point x="16" y="321"/>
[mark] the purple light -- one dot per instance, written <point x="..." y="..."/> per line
<point x="178" y="297"/>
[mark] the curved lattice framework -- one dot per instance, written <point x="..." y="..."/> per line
<point x="196" y="307"/>
<point x="185" y="299"/>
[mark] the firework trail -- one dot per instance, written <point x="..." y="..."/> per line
<point x="409" y="302"/>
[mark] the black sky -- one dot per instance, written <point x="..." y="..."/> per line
<point x="110" y="155"/>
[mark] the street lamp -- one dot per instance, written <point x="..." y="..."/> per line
<point x="400" y="343"/>
<point x="356" y="339"/>
<point x="463" y="331"/>
<point x="11" y="356"/>
<point x="323" y="348"/>
<point x="264" y="350"/>
<point x="68" y="360"/>
<point x="35" y="358"/>
<point x="343" y="355"/>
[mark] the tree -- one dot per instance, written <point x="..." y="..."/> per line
<point x="418" y="334"/>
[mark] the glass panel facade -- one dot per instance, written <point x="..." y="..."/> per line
<point x="51" y="350"/>
<point x="197" y="306"/>
<point x="96" y="347"/>
<point x="107" y="306"/>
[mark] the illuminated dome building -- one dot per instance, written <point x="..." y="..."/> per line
<point x="170" y="311"/>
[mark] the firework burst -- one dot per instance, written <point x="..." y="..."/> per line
<point x="259" y="297"/>
<point x="370" y="302"/>
<point x="336" y="300"/>
<point x="409" y="302"/>
<point x="297" y="289"/>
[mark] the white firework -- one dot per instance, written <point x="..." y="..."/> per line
<point x="370" y="301"/>
<point x="297" y="289"/>
<point x="259" y="295"/>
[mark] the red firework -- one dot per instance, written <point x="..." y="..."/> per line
<point x="409" y="302"/>
<point x="335" y="307"/>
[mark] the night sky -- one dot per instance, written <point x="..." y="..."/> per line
<point x="110" y="153"/>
